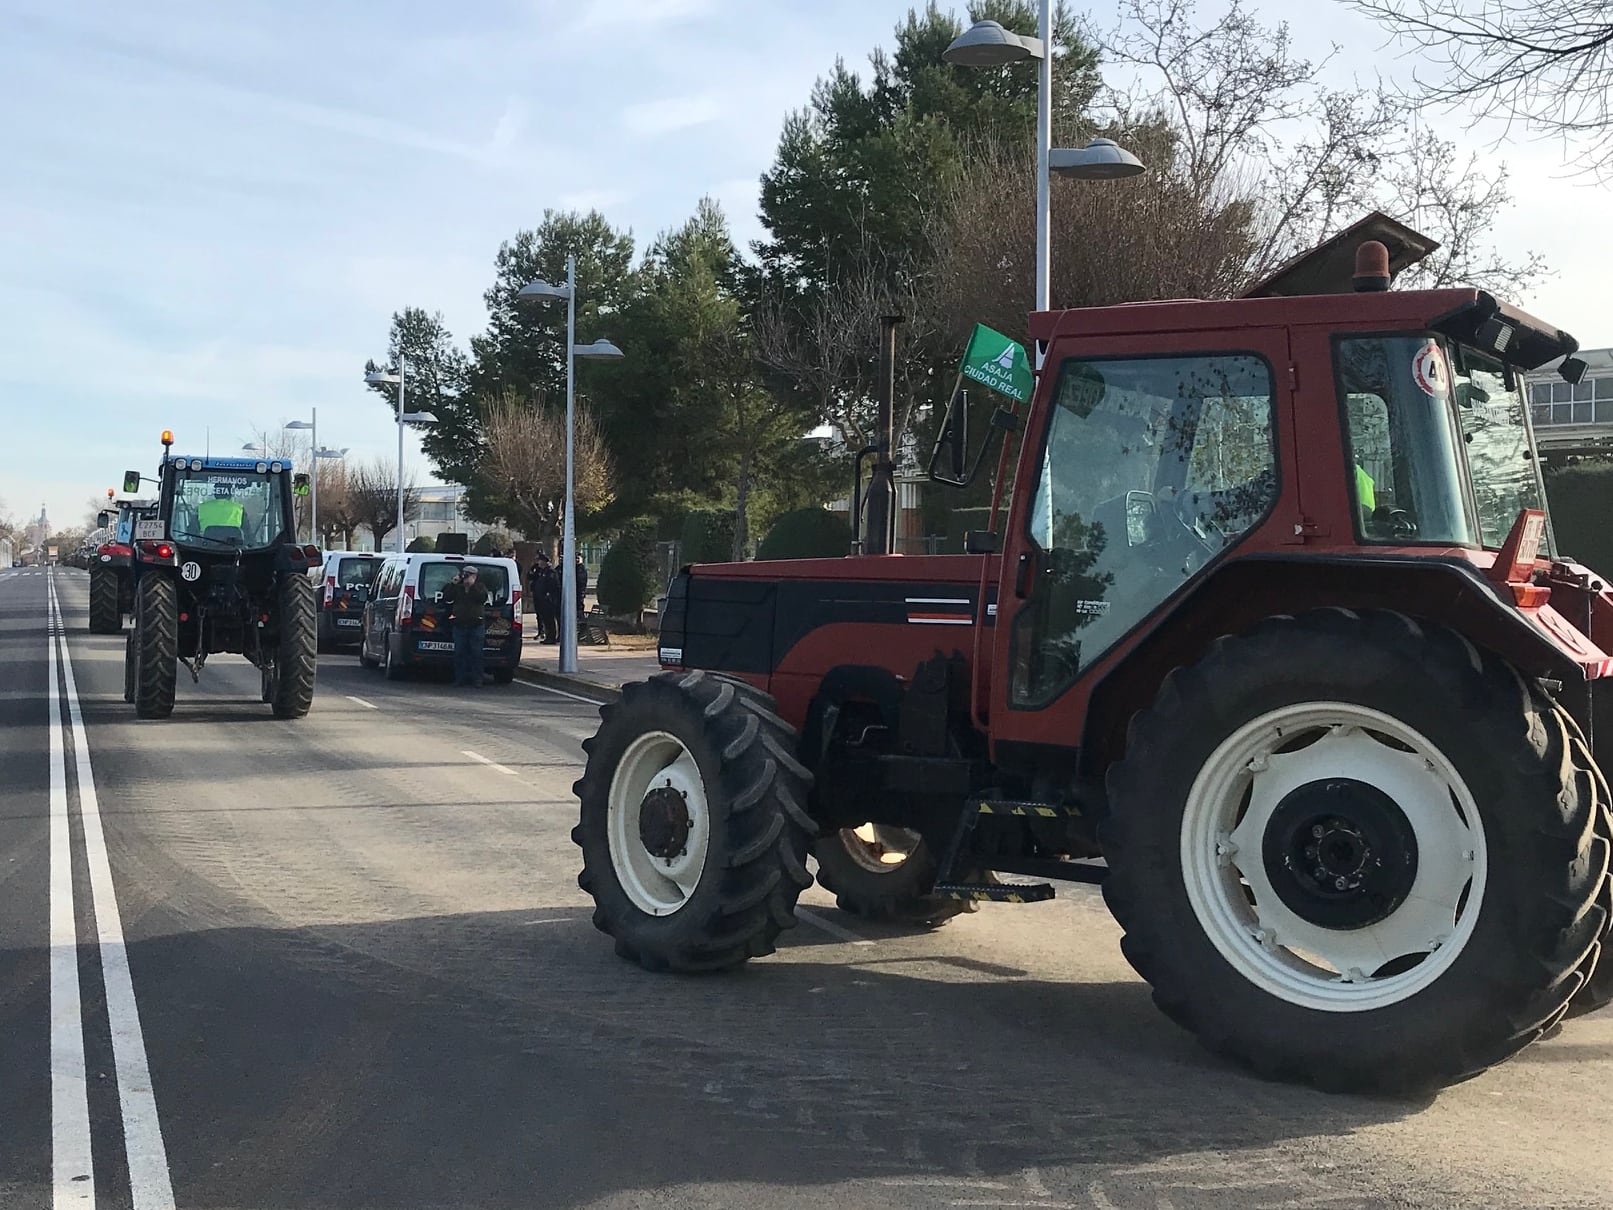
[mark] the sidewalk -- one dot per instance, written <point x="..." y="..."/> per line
<point x="601" y="671"/>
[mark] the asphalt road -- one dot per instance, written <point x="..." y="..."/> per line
<point x="343" y="962"/>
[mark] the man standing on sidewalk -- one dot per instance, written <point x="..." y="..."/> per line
<point x="467" y="610"/>
<point x="546" y="599"/>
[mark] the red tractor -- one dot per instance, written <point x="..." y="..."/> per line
<point x="1271" y="639"/>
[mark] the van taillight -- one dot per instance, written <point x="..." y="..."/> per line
<point x="406" y="605"/>
<point x="330" y="588"/>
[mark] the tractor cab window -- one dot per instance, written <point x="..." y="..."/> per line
<point x="1500" y="446"/>
<point x="1152" y="466"/>
<point x="227" y="508"/>
<point x="1405" y="463"/>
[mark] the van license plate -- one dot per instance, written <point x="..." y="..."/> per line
<point x="431" y="646"/>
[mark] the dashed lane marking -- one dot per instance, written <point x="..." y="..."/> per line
<point x="491" y="764"/>
<point x="362" y="702"/>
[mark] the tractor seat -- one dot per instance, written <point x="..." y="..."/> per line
<point x="232" y="534"/>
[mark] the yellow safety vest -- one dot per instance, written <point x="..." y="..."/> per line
<point x="1366" y="491"/>
<point x="219" y="512"/>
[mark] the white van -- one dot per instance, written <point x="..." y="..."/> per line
<point x="406" y="623"/>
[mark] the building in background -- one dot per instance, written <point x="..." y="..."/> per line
<point x="441" y="511"/>
<point x="1573" y="419"/>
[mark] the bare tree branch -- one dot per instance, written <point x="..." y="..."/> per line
<point x="524" y="463"/>
<point x="1547" y="64"/>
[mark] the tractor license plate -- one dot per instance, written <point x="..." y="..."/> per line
<point x="148" y="530"/>
<point x="433" y="646"/>
<point x="347" y="621"/>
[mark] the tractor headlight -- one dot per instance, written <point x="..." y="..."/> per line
<point x="195" y="464"/>
<point x="262" y="468"/>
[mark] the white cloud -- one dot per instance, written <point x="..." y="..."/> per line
<point x="625" y="16"/>
<point x="648" y="118"/>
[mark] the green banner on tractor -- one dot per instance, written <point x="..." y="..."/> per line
<point x="997" y="362"/>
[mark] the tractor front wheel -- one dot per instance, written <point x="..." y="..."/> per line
<point x="692" y="829"/>
<point x="1354" y="851"/>
<point x="106" y="617"/>
<point x="295" y="662"/>
<point x="156" y="646"/>
<point x="884" y="873"/>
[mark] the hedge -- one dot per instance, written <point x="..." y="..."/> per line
<point x="807" y="533"/>
<point x="708" y="536"/>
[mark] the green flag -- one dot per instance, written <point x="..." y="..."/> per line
<point x="999" y="363"/>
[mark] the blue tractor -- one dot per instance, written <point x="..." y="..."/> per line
<point x="217" y="568"/>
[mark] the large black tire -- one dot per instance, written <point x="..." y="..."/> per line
<point x="850" y="868"/>
<point x="105" y="616"/>
<point x="156" y="646"/>
<point x="292" y="685"/>
<point x="757" y="836"/>
<point x="1530" y="942"/>
<point x="1598" y="990"/>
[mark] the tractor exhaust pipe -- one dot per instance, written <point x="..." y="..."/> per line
<point x="879" y="537"/>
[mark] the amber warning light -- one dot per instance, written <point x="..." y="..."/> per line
<point x="167" y="437"/>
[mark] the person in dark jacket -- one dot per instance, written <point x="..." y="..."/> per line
<point x="467" y="610"/>
<point x="546" y="599"/>
<point x="582" y="586"/>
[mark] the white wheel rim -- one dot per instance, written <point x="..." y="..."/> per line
<point x="658" y="884"/>
<point x="1228" y="820"/>
<point x="879" y="848"/>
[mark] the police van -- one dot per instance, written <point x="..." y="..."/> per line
<point x="405" y="622"/>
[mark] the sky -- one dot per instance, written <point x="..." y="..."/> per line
<point x="209" y="212"/>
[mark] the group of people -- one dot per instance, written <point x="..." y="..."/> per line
<point x="543" y="589"/>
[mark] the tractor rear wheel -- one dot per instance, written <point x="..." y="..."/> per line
<point x="156" y="647"/>
<point x="1355" y="851"/>
<point x="883" y="873"/>
<point x="295" y="662"/>
<point x="692" y="830"/>
<point x="105" y="615"/>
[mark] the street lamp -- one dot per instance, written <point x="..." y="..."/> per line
<point x="988" y="44"/>
<point x="312" y="427"/>
<point x="375" y="377"/>
<point x="599" y="350"/>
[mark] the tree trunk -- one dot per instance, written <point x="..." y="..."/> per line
<point x="742" y="508"/>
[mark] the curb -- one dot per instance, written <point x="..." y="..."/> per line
<point x="568" y="684"/>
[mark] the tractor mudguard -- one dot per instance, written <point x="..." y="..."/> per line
<point x="1450" y="591"/>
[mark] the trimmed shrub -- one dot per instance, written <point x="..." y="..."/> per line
<point x="453" y="544"/>
<point x="624" y="585"/>
<point x="807" y="533"/>
<point x="708" y="536"/>
<point x="493" y="539"/>
<point x="421" y="545"/>
<point x="1581" y="497"/>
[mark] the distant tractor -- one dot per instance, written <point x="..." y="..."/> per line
<point x="217" y="568"/>
<point x="112" y="566"/>
<point x="1271" y="639"/>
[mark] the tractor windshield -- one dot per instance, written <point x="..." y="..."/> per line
<point x="1500" y="445"/>
<point x="1440" y="447"/>
<point x="230" y="508"/>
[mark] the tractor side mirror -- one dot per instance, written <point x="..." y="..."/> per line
<point x="103" y="519"/>
<point x="131" y="483"/>
<point x="949" y="463"/>
<point x="299" y="485"/>
<point x="1572" y="369"/>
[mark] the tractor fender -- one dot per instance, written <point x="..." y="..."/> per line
<point x="847" y="683"/>
<point x="1447" y="591"/>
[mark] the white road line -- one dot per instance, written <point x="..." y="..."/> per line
<point x="557" y="692"/>
<point x="72" y="1171"/>
<point x="830" y="927"/>
<point x="150" y="1186"/>
<point x="490" y="764"/>
<point x="362" y="702"/>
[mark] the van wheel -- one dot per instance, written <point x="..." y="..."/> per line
<point x="390" y="664"/>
